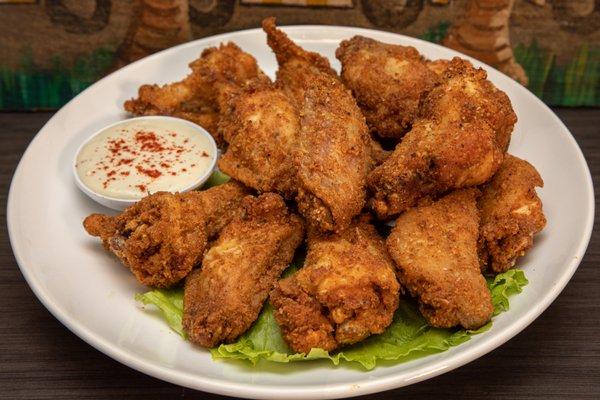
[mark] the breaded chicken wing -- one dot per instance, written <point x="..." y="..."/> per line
<point x="511" y="213"/>
<point x="198" y="97"/>
<point x="334" y="151"/>
<point x="163" y="236"/>
<point x="262" y="127"/>
<point x="459" y="141"/>
<point x="434" y="247"/>
<point x="388" y="82"/>
<point x="346" y="291"/>
<point x="224" y="297"/>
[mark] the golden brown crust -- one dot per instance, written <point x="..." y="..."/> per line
<point x="220" y="204"/>
<point x="345" y="292"/>
<point x="388" y="82"/>
<point x="198" y="98"/>
<point x="434" y="247"/>
<point x="262" y="128"/>
<point x="511" y="213"/>
<point x="334" y="153"/>
<point x="163" y="236"/>
<point x="224" y="297"/>
<point x="459" y="141"/>
<point x="438" y="66"/>
<point x="468" y="93"/>
<point x="286" y="50"/>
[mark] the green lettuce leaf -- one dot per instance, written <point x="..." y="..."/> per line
<point x="216" y="178"/>
<point x="170" y="304"/>
<point x="408" y="336"/>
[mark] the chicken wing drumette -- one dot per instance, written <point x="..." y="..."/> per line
<point x="224" y="297"/>
<point x="199" y="97"/>
<point x="261" y="126"/>
<point x="334" y="149"/>
<point x="345" y="292"/>
<point x="434" y="247"/>
<point x="511" y="213"/>
<point x="388" y="82"/>
<point x="459" y="141"/>
<point x="163" y="236"/>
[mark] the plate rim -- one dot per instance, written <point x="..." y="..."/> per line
<point x="333" y="390"/>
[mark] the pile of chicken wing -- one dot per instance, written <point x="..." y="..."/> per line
<point x="324" y="161"/>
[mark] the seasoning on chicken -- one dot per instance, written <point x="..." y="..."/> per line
<point x="511" y="213"/>
<point x="346" y="291"/>
<point x="163" y="236"/>
<point x="261" y="126"/>
<point x="334" y="149"/>
<point x="434" y="247"/>
<point x="459" y="141"/>
<point x="224" y="297"/>
<point x="388" y="82"/>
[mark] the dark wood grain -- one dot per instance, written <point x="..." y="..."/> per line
<point x="557" y="357"/>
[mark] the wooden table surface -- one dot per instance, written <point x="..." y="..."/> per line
<point x="556" y="357"/>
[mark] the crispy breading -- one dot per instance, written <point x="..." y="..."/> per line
<point x="511" y="213"/>
<point x="224" y="297"/>
<point x="459" y="141"/>
<point x="287" y="51"/>
<point x="388" y="82"/>
<point x="163" y="236"/>
<point x="434" y="247"/>
<point x="346" y="291"/>
<point x="198" y="98"/>
<point x="378" y="153"/>
<point x="438" y="66"/>
<point x="334" y="152"/>
<point x="466" y="93"/>
<point x="262" y="127"/>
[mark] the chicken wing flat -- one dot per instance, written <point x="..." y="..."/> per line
<point x="435" y="249"/>
<point x="163" y="236"/>
<point x="334" y="149"/>
<point x="198" y="97"/>
<point x="224" y="297"/>
<point x="511" y="213"/>
<point x="262" y="127"/>
<point x="346" y="291"/>
<point x="388" y="82"/>
<point x="459" y="141"/>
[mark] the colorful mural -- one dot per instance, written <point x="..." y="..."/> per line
<point x="50" y="50"/>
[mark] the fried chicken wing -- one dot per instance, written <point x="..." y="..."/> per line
<point x="198" y="97"/>
<point x="262" y="127"/>
<point x="224" y="297"/>
<point x="388" y="82"/>
<point x="163" y="236"/>
<point x="434" y="247"/>
<point x="511" y="213"/>
<point x="459" y="141"/>
<point x="334" y="150"/>
<point x="346" y="291"/>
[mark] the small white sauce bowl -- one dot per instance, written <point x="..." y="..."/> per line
<point x="121" y="204"/>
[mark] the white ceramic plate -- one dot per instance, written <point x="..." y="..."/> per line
<point x="90" y="293"/>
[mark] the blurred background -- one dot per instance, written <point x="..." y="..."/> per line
<point x="50" y="50"/>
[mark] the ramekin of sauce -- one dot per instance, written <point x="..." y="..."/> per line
<point x="128" y="160"/>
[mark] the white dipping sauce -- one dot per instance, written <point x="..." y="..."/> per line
<point x="138" y="157"/>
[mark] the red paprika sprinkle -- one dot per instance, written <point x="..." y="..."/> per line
<point x="148" y="141"/>
<point x="152" y="173"/>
